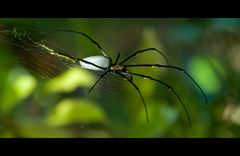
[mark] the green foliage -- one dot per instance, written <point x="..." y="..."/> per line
<point x="71" y="111"/>
<point x="204" y="74"/>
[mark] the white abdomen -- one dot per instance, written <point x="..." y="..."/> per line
<point x="101" y="61"/>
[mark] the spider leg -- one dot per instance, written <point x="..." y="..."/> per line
<point x="118" y="56"/>
<point x="173" y="67"/>
<point x="169" y="88"/>
<point x="145" y="50"/>
<point x="98" y="81"/>
<point x="85" y="35"/>
<point x="139" y="92"/>
<point x="131" y="78"/>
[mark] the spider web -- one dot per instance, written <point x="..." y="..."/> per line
<point x="119" y="99"/>
<point x="46" y="66"/>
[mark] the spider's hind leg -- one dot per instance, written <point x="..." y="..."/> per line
<point x="128" y="76"/>
<point x="139" y="92"/>
<point x="97" y="81"/>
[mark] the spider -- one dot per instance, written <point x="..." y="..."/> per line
<point x="106" y="65"/>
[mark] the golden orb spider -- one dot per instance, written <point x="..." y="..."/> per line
<point x="104" y="63"/>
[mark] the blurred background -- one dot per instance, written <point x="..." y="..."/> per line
<point x="44" y="96"/>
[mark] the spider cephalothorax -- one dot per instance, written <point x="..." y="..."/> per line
<point x="118" y="68"/>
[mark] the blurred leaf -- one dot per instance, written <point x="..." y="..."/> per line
<point x="70" y="80"/>
<point x="71" y="111"/>
<point x="23" y="83"/>
<point x="204" y="74"/>
<point x="19" y="86"/>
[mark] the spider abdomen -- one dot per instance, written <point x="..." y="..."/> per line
<point x="101" y="61"/>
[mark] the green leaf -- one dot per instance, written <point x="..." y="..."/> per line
<point x="71" y="111"/>
<point x="19" y="85"/>
<point x="70" y="80"/>
<point x="204" y="74"/>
